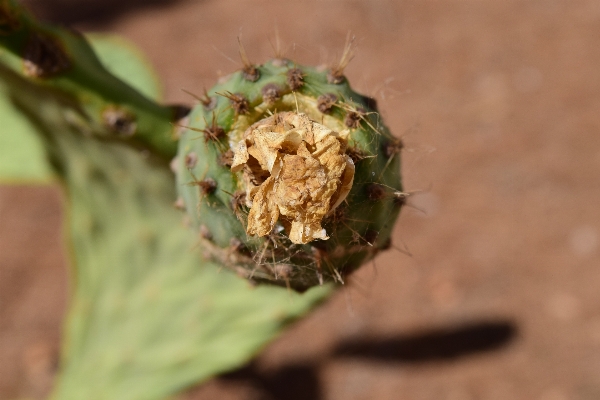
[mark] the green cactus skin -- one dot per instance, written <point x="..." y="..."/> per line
<point x="211" y="193"/>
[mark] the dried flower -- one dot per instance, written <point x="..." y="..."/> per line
<point x="296" y="171"/>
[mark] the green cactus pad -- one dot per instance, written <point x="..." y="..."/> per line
<point x="213" y="195"/>
<point x="147" y="318"/>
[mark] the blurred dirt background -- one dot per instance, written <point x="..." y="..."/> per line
<point x="498" y="103"/>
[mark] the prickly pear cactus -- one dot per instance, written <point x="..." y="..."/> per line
<point x="286" y="175"/>
<point x="289" y="176"/>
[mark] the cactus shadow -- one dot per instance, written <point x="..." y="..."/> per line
<point x="70" y="12"/>
<point x="438" y="345"/>
<point x="289" y="382"/>
<point x="435" y="345"/>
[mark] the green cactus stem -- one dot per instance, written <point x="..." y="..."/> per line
<point x="63" y="59"/>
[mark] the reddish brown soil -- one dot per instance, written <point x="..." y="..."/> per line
<point x="498" y="103"/>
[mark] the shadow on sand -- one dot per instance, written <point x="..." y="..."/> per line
<point x="441" y="345"/>
<point x="70" y="12"/>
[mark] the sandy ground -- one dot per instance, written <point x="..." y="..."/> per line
<point x="498" y="103"/>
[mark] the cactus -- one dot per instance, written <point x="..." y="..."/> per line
<point x="255" y="144"/>
<point x="285" y="174"/>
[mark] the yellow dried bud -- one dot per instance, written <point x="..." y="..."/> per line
<point x="295" y="171"/>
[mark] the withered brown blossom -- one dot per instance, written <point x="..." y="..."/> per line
<point x="296" y="171"/>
